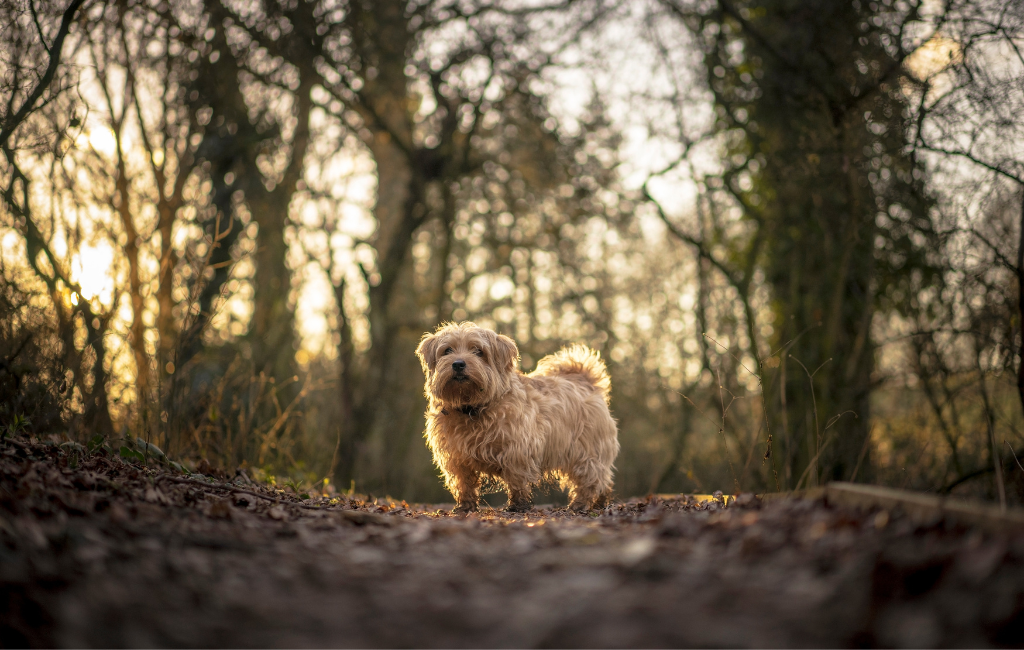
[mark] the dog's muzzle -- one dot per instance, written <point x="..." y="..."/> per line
<point x="459" y="368"/>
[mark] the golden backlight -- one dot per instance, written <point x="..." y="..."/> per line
<point x="102" y="139"/>
<point x="92" y="270"/>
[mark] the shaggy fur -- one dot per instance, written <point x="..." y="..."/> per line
<point x="485" y="417"/>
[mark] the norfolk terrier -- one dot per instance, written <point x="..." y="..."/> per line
<point x="486" y="417"/>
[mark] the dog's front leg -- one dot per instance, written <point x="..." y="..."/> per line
<point x="519" y="477"/>
<point x="520" y="499"/>
<point x="520" y="492"/>
<point x="465" y="489"/>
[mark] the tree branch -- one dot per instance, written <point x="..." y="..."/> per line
<point x="13" y="121"/>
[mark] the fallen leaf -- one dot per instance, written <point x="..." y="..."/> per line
<point x="219" y="509"/>
<point x="636" y="549"/>
<point x="278" y="513"/>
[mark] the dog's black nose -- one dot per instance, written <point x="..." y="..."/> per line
<point x="458" y="366"/>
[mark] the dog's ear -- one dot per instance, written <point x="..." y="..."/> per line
<point x="506" y="354"/>
<point x="427" y="352"/>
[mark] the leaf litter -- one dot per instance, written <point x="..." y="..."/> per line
<point x="102" y="549"/>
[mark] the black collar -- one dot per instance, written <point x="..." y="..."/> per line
<point x="471" y="411"/>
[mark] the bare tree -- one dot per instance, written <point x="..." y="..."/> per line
<point x="37" y="113"/>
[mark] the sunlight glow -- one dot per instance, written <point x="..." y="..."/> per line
<point x="103" y="140"/>
<point x="92" y="269"/>
<point x="937" y="54"/>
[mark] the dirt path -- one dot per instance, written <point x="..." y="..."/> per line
<point x="110" y="554"/>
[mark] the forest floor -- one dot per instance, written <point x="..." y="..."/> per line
<point x="97" y="551"/>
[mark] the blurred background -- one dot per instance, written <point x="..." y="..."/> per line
<point x="792" y="228"/>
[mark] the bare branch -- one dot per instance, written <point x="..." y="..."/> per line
<point x="12" y="122"/>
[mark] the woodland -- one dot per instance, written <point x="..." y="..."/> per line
<point x="792" y="229"/>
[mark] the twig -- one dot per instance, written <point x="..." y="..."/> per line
<point x="1012" y="453"/>
<point x="966" y="477"/>
<point x="812" y="464"/>
<point x="721" y="429"/>
<point x="730" y="352"/>
<point x="860" y="458"/>
<point x="817" y="428"/>
<point x="232" y="488"/>
<point x="1019" y="272"/>
<point x="17" y="443"/>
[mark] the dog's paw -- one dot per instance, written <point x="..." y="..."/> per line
<point x="579" y="507"/>
<point x="520" y="506"/>
<point x="463" y="508"/>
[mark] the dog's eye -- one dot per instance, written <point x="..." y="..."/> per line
<point x="447" y="351"/>
<point x="478" y="352"/>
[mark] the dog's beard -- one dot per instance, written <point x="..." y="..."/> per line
<point x="469" y="388"/>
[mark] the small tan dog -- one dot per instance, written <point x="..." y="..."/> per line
<point x="485" y="417"/>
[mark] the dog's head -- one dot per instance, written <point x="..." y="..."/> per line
<point x="466" y="365"/>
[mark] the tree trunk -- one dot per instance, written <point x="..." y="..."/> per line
<point x="272" y="331"/>
<point x="387" y="405"/>
<point x="137" y="329"/>
<point x="812" y="118"/>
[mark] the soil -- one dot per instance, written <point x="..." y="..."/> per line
<point x="98" y="551"/>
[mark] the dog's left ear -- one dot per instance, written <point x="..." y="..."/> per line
<point x="506" y="354"/>
<point x="427" y="352"/>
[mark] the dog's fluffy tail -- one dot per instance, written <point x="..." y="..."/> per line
<point x="577" y="360"/>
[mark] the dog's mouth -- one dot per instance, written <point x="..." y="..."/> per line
<point x="457" y="385"/>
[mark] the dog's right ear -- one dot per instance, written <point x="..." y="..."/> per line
<point x="427" y="352"/>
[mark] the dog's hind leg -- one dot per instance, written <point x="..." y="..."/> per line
<point x="589" y="484"/>
<point x="581" y="500"/>
<point x="604" y="499"/>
